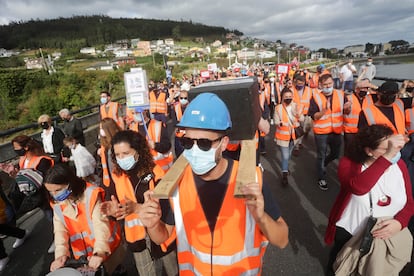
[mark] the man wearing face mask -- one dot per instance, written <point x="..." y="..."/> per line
<point x="177" y="112"/>
<point x="110" y="109"/>
<point x="387" y="109"/>
<point x="368" y="70"/>
<point x="359" y="100"/>
<point x="216" y="232"/>
<point x="301" y="96"/>
<point x="157" y="137"/>
<point x="327" y="108"/>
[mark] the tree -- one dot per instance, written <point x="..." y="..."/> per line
<point x="176" y="32"/>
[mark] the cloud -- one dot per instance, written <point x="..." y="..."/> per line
<point x="316" y="24"/>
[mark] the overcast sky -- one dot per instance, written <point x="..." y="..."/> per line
<point x="315" y="24"/>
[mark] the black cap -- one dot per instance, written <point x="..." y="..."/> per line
<point x="388" y="88"/>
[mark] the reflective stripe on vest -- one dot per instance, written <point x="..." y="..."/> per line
<point x="193" y="254"/>
<point x="374" y="116"/>
<point x="303" y="100"/>
<point x="409" y="120"/>
<point x="332" y="120"/>
<point x="105" y="170"/>
<point x="351" y="119"/>
<point x="81" y="233"/>
<point x="158" y="105"/>
<point x="112" y="112"/>
<point x="33" y="161"/>
<point x="285" y="131"/>
<point x="164" y="160"/>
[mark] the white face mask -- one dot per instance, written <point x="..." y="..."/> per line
<point x="138" y="118"/>
<point x="201" y="162"/>
<point x="183" y="101"/>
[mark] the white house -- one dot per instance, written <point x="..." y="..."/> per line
<point x="88" y="51"/>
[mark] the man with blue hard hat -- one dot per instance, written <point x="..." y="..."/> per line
<point x="215" y="231"/>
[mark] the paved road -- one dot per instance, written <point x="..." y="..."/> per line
<point x="304" y="206"/>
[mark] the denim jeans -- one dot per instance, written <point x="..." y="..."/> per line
<point x="286" y="153"/>
<point x="322" y="142"/>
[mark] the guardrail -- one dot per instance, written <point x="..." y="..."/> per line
<point x="89" y="123"/>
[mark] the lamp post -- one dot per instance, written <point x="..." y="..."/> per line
<point x="229" y="50"/>
<point x="278" y="54"/>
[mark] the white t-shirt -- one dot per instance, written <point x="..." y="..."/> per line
<point x="390" y="186"/>
<point x="47" y="140"/>
<point x="347" y="73"/>
<point x="84" y="161"/>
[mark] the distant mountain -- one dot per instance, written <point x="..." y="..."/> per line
<point x="83" y="31"/>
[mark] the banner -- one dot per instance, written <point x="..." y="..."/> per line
<point x="136" y="88"/>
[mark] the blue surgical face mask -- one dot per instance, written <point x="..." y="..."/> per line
<point x="183" y="101"/>
<point x="299" y="87"/>
<point x="395" y="159"/>
<point x="201" y="162"/>
<point x="327" y="90"/>
<point x="126" y="163"/>
<point x="104" y="100"/>
<point x="62" y="195"/>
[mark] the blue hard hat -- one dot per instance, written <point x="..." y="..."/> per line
<point x="206" y="111"/>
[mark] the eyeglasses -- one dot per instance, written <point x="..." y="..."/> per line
<point x="203" y="143"/>
<point x="183" y="98"/>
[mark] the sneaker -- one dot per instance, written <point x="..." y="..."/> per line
<point x="3" y="263"/>
<point x="323" y="185"/>
<point x="51" y="248"/>
<point x="19" y="242"/>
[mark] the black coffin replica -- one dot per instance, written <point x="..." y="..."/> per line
<point x="241" y="96"/>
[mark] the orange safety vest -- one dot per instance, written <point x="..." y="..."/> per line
<point x="105" y="170"/>
<point x="304" y="101"/>
<point x="81" y="230"/>
<point x="179" y="114"/>
<point x="225" y="251"/>
<point x="332" y="120"/>
<point x="409" y="120"/>
<point x="285" y="132"/>
<point x="33" y="161"/>
<point x="351" y="119"/>
<point x="164" y="160"/>
<point x="375" y="116"/>
<point x="112" y="112"/>
<point x="158" y="105"/>
<point x="133" y="227"/>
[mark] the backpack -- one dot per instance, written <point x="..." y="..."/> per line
<point x="29" y="181"/>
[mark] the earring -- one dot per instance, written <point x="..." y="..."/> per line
<point x="370" y="154"/>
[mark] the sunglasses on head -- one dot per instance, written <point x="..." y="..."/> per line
<point x="203" y="143"/>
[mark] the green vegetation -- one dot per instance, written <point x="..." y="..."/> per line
<point x="83" y="31"/>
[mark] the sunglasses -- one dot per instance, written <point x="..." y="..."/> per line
<point x="183" y="98"/>
<point x="203" y="143"/>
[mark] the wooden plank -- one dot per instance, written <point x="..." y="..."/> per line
<point x="169" y="182"/>
<point x="246" y="172"/>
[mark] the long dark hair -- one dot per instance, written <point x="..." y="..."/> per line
<point x="62" y="174"/>
<point x="32" y="145"/>
<point x="138" y="142"/>
<point x="367" y="137"/>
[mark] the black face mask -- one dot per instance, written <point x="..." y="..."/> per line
<point x="44" y="125"/>
<point x="409" y="89"/>
<point x="20" y="152"/>
<point x="362" y="94"/>
<point x="387" y="99"/>
<point x="287" y="101"/>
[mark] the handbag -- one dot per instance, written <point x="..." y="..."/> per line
<point x="367" y="238"/>
<point x="299" y="131"/>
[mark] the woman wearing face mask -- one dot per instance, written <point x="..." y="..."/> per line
<point x="374" y="182"/>
<point x="79" y="226"/>
<point x="177" y="112"/>
<point x="107" y="129"/>
<point x="287" y="116"/>
<point x="52" y="137"/>
<point x="135" y="172"/>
